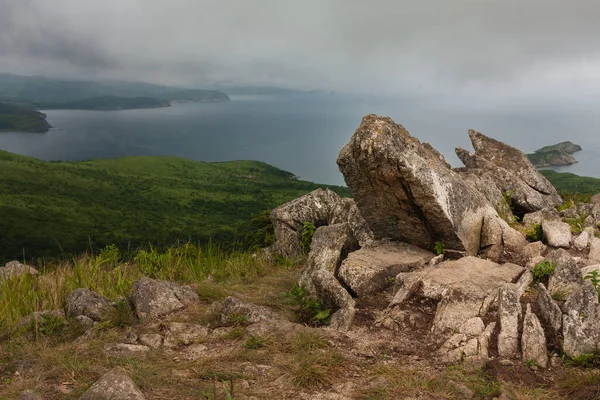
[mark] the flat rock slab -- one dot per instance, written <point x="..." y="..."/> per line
<point x="369" y="269"/>
<point x="463" y="286"/>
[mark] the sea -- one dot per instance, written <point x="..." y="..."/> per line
<point x="300" y="134"/>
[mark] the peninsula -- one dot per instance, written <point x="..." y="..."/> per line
<point x="14" y="118"/>
<point x="555" y="155"/>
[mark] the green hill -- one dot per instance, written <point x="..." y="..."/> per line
<point x="14" y="118"/>
<point x="52" y="208"/>
<point x="107" y="103"/>
<point x="196" y="96"/>
<point x="570" y="183"/>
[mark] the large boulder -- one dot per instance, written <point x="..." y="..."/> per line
<point x="464" y="288"/>
<point x="566" y="277"/>
<point x="407" y="192"/>
<point x="15" y="268"/>
<point x="581" y="322"/>
<point x="533" y="340"/>
<point x="154" y="298"/>
<point x="511" y="172"/>
<point x="84" y="302"/>
<point x="320" y="208"/>
<point x="551" y="315"/>
<point x="114" y="385"/>
<point x="371" y="269"/>
<point x="557" y="233"/>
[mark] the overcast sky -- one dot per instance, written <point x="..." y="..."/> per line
<point x="509" y="50"/>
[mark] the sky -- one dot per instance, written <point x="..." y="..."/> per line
<point x="464" y="51"/>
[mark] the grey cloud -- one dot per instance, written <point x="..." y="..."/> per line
<point x="505" y="48"/>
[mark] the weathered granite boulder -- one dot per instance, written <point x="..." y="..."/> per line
<point x="509" y="315"/>
<point x="371" y="269"/>
<point x="465" y="288"/>
<point x="407" y="192"/>
<point x="582" y="241"/>
<point x="154" y="298"/>
<point x="551" y="315"/>
<point x="581" y="322"/>
<point x="537" y="217"/>
<point x="15" y="268"/>
<point x="566" y="277"/>
<point x="557" y="233"/>
<point x="533" y="340"/>
<point x="594" y="255"/>
<point x="84" y="302"/>
<point x="321" y="208"/>
<point x="533" y="250"/>
<point x="114" y="385"/>
<point x="330" y="245"/>
<point x="511" y="171"/>
<point x="234" y="307"/>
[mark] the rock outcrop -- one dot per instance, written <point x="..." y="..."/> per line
<point x="511" y="172"/>
<point x="407" y="192"/>
<point x="320" y="208"/>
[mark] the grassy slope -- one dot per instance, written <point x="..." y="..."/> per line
<point x="571" y="183"/>
<point x="47" y="207"/>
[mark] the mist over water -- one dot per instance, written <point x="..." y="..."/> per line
<point x="302" y="135"/>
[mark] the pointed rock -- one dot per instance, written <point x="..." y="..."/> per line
<point x="509" y="315"/>
<point x="114" y="385"/>
<point x="533" y="340"/>
<point x="550" y="314"/>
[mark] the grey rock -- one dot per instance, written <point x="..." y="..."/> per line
<point x="524" y="282"/>
<point x="342" y="319"/>
<point x="407" y="192"/>
<point x="537" y="217"/>
<point x="30" y="395"/>
<point x="551" y="315"/>
<point x="557" y="233"/>
<point x="464" y="288"/>
<point x="511" y="171"/>
<point x="85" y="322"/>
<point x="371" y="269"/>
<point x="114" y="385"/>
<point x="569" y="213"/>
<point x="15" y="268"/>
<point x="509" y="315"/>
<point x="252" y="313"/>
<point x="321" y="208"/>
<point x="154" y="298"/>
<point x="582" y="241"/>
<point x="594" y="255"/>
<point x="533" y="340"/>
<point x="590" y="268"/>
<point x="581" y="322"/>
<point x="566" y="276"/>
<point x="125" y="350"/>
<point x="151" y="340"/>
<point x="473" y="327"/>
<point x="533" y="250"/>
<point x="89" y="304"/>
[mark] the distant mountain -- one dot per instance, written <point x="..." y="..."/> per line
<point x="266" y="91"/>
<point x="39" y="89"/>
<point x="107" y="103"/>
<point x="14" y="118"/>
<point x="196" y="96"/>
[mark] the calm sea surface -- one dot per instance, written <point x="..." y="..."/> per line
<point x="301" y="135"/>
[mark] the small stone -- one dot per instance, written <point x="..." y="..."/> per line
<point x="154" y="298"/>
<point x="582" y="241"/>
<point x="152" y="340"/>
<point x="114" y="385"/>
<point x="85" y="322"/>
<point x="125" y="350"/>
<point x="90" y="304"/>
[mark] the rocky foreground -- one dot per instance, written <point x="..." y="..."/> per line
<point x="427" y="267"/>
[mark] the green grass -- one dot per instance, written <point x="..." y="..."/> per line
<point x="52" y="208"/>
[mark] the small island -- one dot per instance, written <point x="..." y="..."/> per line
<point x="19" y="119"/>
<point x="554" y="156"/>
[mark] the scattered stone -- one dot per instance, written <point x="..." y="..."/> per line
<point x="125" y="350"/>
<point x="15" y="268"/>
<point x="533" y="340"/>
<point x="557" y="233"/>
<point x="342" y="319"/>
<point x="114" y="385"/>
<point x="582" y="241"/>
<point x="566" y="277"/>
<point x="30" y="395"/>
<point x="154" y="298"/>
<point x="187" y="334"/>
<point x="509" y="314"/>
<point x="463" y="288"/>
<point x="194" y="352"/>
<point x="130" y="338"/>
<point x="152" y="340"/>
<point x="594" y="255"/>
<point x="371" y="269"/>
<point x="89" y="304"/>
<point x="233" y="307"/>
<point x="581" y="322"/>
<point x="533" y="250"/>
